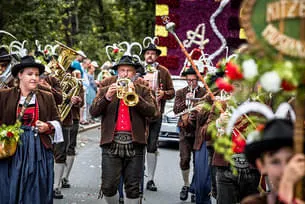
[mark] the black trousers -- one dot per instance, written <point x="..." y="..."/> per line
<point x="73" y="138"/>
<point x="60" y="149"/>
<point x="154" y="130"/>
<point x="131" y="168"/>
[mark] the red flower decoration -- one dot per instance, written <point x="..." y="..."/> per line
<point x="233" y="71"/>
<point x="287" y="86"/>
<point x="239" y="143"/>
<point x="45" y="51"/>
<point x="260" y="127"/>
<point x="116" y="50"/>
<point x="9" y="134"/>
<point x="222" y="84"/>
<point x="196" y="54"/>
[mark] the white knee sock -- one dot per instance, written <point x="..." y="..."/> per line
<point x="132" y="201"/>
<point x="112" y="200"/>
<point x="151" y="165"/>
<point x="185" y="176"/>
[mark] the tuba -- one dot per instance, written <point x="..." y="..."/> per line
<point x="130" y="98"/>
<point x="70" y="85"/>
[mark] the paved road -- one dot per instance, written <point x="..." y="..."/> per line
<point x="85" y="175"/>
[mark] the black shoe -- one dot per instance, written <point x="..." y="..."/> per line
<point x="121" y="200"/>
<point x="151" y="186"/>
<point x="57" y="194"/>
<point x="184" y="193"/>
<point x="193" y="198"/>
<point x="65" y="183"/>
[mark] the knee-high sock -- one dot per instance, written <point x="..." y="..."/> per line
<point x="132" y="201"/>
<point x="185" y="176"/>
<point x="58" y="172"/>
<point x="68" y="166"/>
<point x="151" y="165"/>
<point x="112" y="200"/>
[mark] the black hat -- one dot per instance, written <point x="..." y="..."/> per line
<point x="4" y="55"/>
<point x="128" y="60"/>
<point x="152" y="46"/>
<point x="188" y="70"/>
<point x="27" y="61"/>
<point x="277" y="133"/>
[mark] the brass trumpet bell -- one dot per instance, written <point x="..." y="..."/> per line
<point x="130" y="98"/>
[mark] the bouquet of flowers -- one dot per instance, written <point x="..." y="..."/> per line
<point x="9" y="138"/>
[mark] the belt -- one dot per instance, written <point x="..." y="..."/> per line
<point x="122" y="137"/>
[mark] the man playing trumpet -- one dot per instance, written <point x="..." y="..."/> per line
<point x="186" y="99"/>
<point x="123" y="131"/>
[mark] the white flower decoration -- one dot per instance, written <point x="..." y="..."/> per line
<point x="271" y="81"/>
<point x="249" y="69"/>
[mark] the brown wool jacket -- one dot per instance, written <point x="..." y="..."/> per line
<point x="56" y="89"/>
<point x="9" y="99"/>
<point x="109" y="109"/>
<point x="180" y="105"/>
<point x="167" y="85"/>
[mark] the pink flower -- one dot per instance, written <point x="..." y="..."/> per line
<point x="233" y="71"/>
<point x="222" y="84"/>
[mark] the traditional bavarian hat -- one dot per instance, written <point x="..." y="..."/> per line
<point x="26" y="62"/>
<point x="277" y="133"/>
<point x="4" y="55"/>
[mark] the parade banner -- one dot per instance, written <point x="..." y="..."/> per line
<point x="275" y="26"/>
<point x="192" y="19"/>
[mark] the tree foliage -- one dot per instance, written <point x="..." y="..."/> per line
<point x="88" y="25"/>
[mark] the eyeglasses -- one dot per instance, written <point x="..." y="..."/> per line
<point x="191" y="80"/>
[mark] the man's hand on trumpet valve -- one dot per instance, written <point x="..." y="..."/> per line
<point x="111" y="91"/>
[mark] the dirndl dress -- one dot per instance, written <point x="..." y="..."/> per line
<point x="31" y="171"/>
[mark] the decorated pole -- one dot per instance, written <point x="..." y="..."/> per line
<point x="170" y="27"/>
<point x="286" y="41"/>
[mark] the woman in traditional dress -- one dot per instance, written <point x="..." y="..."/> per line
<point x="28" y="174"/>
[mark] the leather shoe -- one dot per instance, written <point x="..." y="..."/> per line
<point x="65" y="183"/>
<point x="193" y="198"/>
<point x="151" y="186"/>
<point x="184" y="193"/>
<point x="57" y="194"/>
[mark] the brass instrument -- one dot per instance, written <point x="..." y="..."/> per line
<point x="6" y="77"/>
<point x="66" y="56"/>
<point x="70" y="85"/>
<point x="125" y="92"/>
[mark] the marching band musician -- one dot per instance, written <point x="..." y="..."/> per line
<point x="28" y="176"/>
<point x="5" y="59"/>
<point x="187" y="125"/>
<point x="123" y="137"/>
<point x="71" y="153"/>
<point x="63" y="157"/>
<point x="165" y="92"/>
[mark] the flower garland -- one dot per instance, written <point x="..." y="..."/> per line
<point x="10" y="133"/>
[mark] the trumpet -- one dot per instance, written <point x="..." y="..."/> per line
<point x="125" y="92"/>
<point x="185" y="112"/>
<point x="189" y="101"/>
